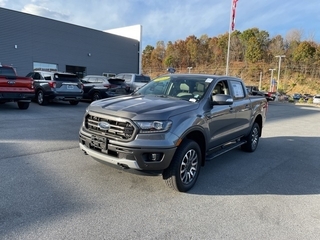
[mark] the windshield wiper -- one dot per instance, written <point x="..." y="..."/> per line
<point x="162" y="96"/>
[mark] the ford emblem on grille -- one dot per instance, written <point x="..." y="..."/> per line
<point x="104" y="125"/>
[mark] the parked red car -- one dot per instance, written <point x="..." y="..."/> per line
<point x="272" y="96"/>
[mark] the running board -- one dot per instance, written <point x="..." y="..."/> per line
<point x="224" y="149"/>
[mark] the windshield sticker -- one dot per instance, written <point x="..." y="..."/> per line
<point x="209" y="80"/>
<point x="192" y="100"/>
<point x="161" y="79"/>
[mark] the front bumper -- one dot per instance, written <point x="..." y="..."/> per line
<point x="117" y="153"/>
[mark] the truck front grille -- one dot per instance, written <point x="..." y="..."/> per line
<point x="110" y="127"/>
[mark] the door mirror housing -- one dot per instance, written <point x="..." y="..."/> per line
<point x="221" y="99"/>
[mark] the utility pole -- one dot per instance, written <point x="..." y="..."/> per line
<point x="278" y="81"/>
<point x="271" y="79"/>
<point x="260" y="81"/>
<point x="231" y="29"/>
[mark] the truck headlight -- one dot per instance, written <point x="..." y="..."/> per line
<point x="153" y="126"/>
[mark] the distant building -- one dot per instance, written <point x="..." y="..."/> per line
<point x="30" y="42"/>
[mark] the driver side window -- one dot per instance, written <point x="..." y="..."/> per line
<point x="221" y="88"/>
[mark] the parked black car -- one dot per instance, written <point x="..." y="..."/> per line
<point x="254" y="91"/>
<point x="96" y="87"/>
<point x="307" y="96"/>
<point x="56" y="86"/>
<point x="296" y="96"/>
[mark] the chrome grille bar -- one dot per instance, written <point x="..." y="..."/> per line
<point x="120" y="129"/>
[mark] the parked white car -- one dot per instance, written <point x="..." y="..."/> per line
<point x="316" y="99"/>
<point x="109" y="75"/>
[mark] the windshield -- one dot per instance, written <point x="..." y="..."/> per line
<point x="116" y="81"/>
<point x="190" y="88"/>
<point x="66" y="77"/>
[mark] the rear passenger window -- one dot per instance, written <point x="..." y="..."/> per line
<point x="66" y="77"/>
<point x="237" y="89"/>
<point x="116" y="81"/>
<point x="100" y="80"/>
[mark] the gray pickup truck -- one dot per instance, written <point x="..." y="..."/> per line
<point x="173" y="124"/>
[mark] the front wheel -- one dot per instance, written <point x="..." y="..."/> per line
<point x="96" y="96"/>
<point x="184" y="169"/>
<point x="252" y="139"/>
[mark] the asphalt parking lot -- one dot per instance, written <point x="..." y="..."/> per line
<point x="50" y="190"/>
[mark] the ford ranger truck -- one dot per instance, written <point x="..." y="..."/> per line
<point x="173" y="124"/>
<point x="14" y="88"/>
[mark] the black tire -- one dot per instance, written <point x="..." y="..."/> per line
<point x="23" y="105"/>
<point x="184" y="169"/>
<point x="252" y="139"/>
<point x="41" y="100"/>
<point x="96" y="96"/>
<point x="73" y="102"/>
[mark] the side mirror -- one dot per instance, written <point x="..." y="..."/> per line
<point x="221" y="99"/>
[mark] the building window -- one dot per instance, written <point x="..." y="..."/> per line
<point x="45" y="66"/>
<point x="80" y="71"/>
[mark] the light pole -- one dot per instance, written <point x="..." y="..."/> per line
<point x="189" y="68"/>
<point x="271" y="80"/>
<point x="260" y="81"/>
<point x="278" y="81"/>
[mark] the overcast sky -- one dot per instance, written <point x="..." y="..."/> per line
<point x="172" y="20"/>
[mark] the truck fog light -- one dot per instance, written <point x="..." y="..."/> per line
<point x="155" y="157"/>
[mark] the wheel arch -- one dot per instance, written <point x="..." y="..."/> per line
<point x="199" y="138"/>
<point x="38" y="89"/>
<point x="94" y="92"/>
<point x="259" y="121"/>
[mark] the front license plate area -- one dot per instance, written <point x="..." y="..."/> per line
<point x="98" y="142"/>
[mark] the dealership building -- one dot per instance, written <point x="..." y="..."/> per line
<point x="29" y="42"/>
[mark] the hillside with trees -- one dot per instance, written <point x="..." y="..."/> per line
<point x="252" y="56"/>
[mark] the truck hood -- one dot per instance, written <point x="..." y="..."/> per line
<point x="142" y="107"/>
